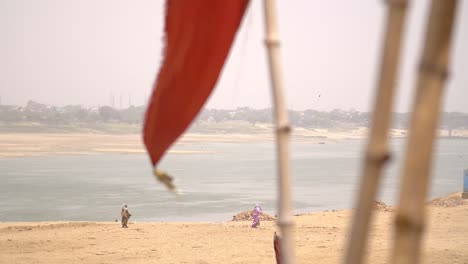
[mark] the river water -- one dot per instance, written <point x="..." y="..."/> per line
<point x="224" y="180"/>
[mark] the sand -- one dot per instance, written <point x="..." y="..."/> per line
<point x="35" y="144"/>
<point x="320" y="239"/>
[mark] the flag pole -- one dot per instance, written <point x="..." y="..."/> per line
<point x="410" y="217"/>
<point x="377" y="152"/>
<point x="285" y="215"/>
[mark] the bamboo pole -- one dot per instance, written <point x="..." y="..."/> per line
<point x="285" y="215"/>
<point x="377" y="150"/>
<point x="410" y="218"/>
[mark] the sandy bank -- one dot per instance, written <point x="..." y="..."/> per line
<point x="34" y="144"/>
<point x="320" y="239"/>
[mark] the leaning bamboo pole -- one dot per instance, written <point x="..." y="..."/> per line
<point x="377" y="147"/>
<point x="410" y="218"/>
<point x="285" y="215"/>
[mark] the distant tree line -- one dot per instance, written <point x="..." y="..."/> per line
<point x="324" y="119"/>
<point x="46" y="114"/>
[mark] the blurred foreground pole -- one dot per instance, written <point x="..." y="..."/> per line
<point x="410" y="218"/>
<point x="285" y="215"/>
<point x="377" y="147"/>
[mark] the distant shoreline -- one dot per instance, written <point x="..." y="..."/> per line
<point x="13" y="144"/>
<point x="208" y="128"/>
<point x="37" y="144"/>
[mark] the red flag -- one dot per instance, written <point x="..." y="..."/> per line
<point x="199" y="34"/>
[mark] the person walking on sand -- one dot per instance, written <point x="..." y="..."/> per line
<point x="257" y="211"/>
<point x="125" y="216"/>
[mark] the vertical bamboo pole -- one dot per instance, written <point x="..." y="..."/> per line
<point x="410" y="219"/>
<point x="285" y="215"/>
<point x="377" y="149"/>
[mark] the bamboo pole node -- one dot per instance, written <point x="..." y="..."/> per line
<point x="397" y="3"/>
<point x="283" y="129"/>
<point x="405" y="223"/>
<point x="379" y="156"/>
<point x="272" y="42"/>
<point x="435" y="70"/>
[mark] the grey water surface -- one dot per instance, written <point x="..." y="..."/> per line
<point x="223" y="180"/>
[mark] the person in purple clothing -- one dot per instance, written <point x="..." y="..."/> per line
<point x="257" y="211"/>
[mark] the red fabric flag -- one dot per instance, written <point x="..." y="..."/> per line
<point x="199" y="34"/>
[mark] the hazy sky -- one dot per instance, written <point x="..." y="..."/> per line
<point x="80" y="52"/>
